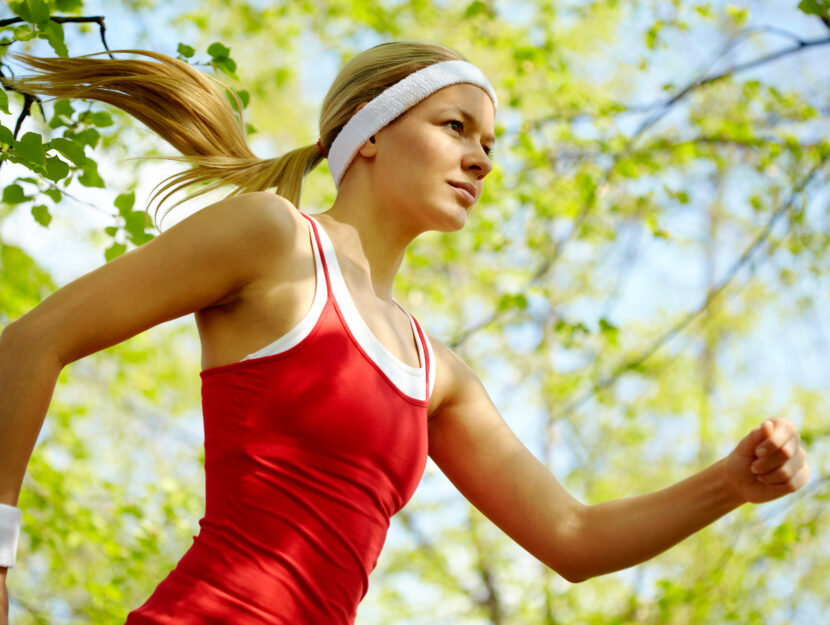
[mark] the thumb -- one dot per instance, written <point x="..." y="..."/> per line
<point x="746" y="448"/>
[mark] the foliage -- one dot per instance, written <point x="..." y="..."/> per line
<point x="646" y="262"/>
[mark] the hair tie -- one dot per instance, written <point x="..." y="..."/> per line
<point x="320" y="147"/>
<point x="394" y="101"/>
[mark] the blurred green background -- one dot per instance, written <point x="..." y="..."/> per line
<point x="644" y="279"/>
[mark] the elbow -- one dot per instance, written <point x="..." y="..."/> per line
<point x="570" y="572"/>
<point x="574" y="577"/>
<point x="18" y="340"/>
<point x="570" y="561"/>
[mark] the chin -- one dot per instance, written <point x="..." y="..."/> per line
<point x="453" y="220"/>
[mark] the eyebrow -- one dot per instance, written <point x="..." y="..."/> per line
<point x="469" y="118"/>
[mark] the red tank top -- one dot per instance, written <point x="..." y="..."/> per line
<point x="311" y="445"/>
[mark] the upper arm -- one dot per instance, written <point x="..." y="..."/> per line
<point x="474" y="447"/>
<point x="201" y="261"/>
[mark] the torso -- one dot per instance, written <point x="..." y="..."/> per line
<point x="270" y="306"/>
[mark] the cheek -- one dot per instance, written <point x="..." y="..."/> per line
<point x="411" y="168"/>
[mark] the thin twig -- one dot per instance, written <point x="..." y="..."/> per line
<point x="427" y="547"/>
<point x="93" y="19"/>
<point x="801" y="45"/>
<point x="658" y="342"/>
<point x="560" y="245"/>
<point x="622" y="109"/>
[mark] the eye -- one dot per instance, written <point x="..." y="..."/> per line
<point x="488" y="151"/>
<point x="455" y="121"/>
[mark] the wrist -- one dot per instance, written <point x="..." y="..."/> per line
<point x="731" y="489"/>
<point x="10" y="517"/>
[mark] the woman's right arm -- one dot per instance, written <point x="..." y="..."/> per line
<point x="204" y="260"/>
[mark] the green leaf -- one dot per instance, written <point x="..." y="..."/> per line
<point x="54" y="194"/>
<point x="124" y="203"/>
<point x="474" y="8"/>
<point x="509" y="301"/>
<point x="244" y="98"/>
<point x="13" y="194"/>
<point x="609" y="331"/>
<point x="39" y="10"/>
<point x="61" y="114"/>
<point x="4" y="101"/>
<point x="6" y="136"/>
<point x="652" y="34"/>
<point x="88" y="137"/>
<point x="56" y="169"/>
<point x="72" y="150"/>
<point x="135" y="222"/>
<point x="30" y="149"/>
<point x="114" y="251"/>
<point x="218" y="50"/>
<point x="185" y="50"/>
<point x="141" y="238"/>
<point x="90" y="177"/>
<point x="111" y="230"/>
<point x="33" y="11"/>
<point x="102" y="119"/>
<point x="810" y="7"/>
<point x="226" y="65"/>
<point x="68" y="6"/>
<point x="53" y="33"/>
<point x="24" y="32"/>
<point x="41" y="214"/>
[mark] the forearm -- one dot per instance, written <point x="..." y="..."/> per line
<point x="28" y="375"/>
<point x="617" y="534"/>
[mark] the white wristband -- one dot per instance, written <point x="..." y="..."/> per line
<point x="9" y="534"/>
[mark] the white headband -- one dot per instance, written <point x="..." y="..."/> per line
<point x="397" y="99"/>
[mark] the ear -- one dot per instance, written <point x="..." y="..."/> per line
<point x="368" y="149"/>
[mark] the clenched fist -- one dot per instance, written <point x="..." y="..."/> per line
<point x="768" y="463"/>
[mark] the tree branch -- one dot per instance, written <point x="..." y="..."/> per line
<point x="492" y="600"/>
<point x="426" y="546"/>
<point x="93" y="19"/>
<point x="624" y="109"/>
<point x="559" y="247"/>
<point x="666" y="105"/>
<point x="744" y="258"/>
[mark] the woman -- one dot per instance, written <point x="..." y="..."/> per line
<point x="321" y="395"/>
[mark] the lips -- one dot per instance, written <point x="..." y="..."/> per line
<point x="470" y="188"/>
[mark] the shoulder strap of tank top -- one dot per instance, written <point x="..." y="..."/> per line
<point x="425" y="350"/>
<point x="322" y="254"/>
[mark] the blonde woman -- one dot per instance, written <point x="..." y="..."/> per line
<point x="322" y="396"/>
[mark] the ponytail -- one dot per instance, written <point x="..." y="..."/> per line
<point x="183" y="106"/>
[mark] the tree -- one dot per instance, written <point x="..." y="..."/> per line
<point x="635" y="286"/>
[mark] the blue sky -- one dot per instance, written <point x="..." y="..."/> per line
<point x="780" y="353"/>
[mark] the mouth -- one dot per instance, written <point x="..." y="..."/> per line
<point x="466" y="191"/>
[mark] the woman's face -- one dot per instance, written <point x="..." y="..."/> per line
<point x="423" y="157"/>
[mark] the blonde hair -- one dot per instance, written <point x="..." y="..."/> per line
<point x="190" y="111"/>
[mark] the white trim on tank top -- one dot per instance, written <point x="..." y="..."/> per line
<point x="409" y="380"/>
<point x="296" y="334"/>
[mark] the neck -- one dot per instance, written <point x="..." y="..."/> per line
<point x="370" y="242"/>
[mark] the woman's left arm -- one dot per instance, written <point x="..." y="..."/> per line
<point x="474" y="447"/>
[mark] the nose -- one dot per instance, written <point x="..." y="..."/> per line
<point x="478" y="162"/>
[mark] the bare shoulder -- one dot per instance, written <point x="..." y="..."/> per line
<point x="207" y="258"/>
<point x="250" y="234"/>
<point x="262" y="221"/>
<point x="453" y="377"/>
